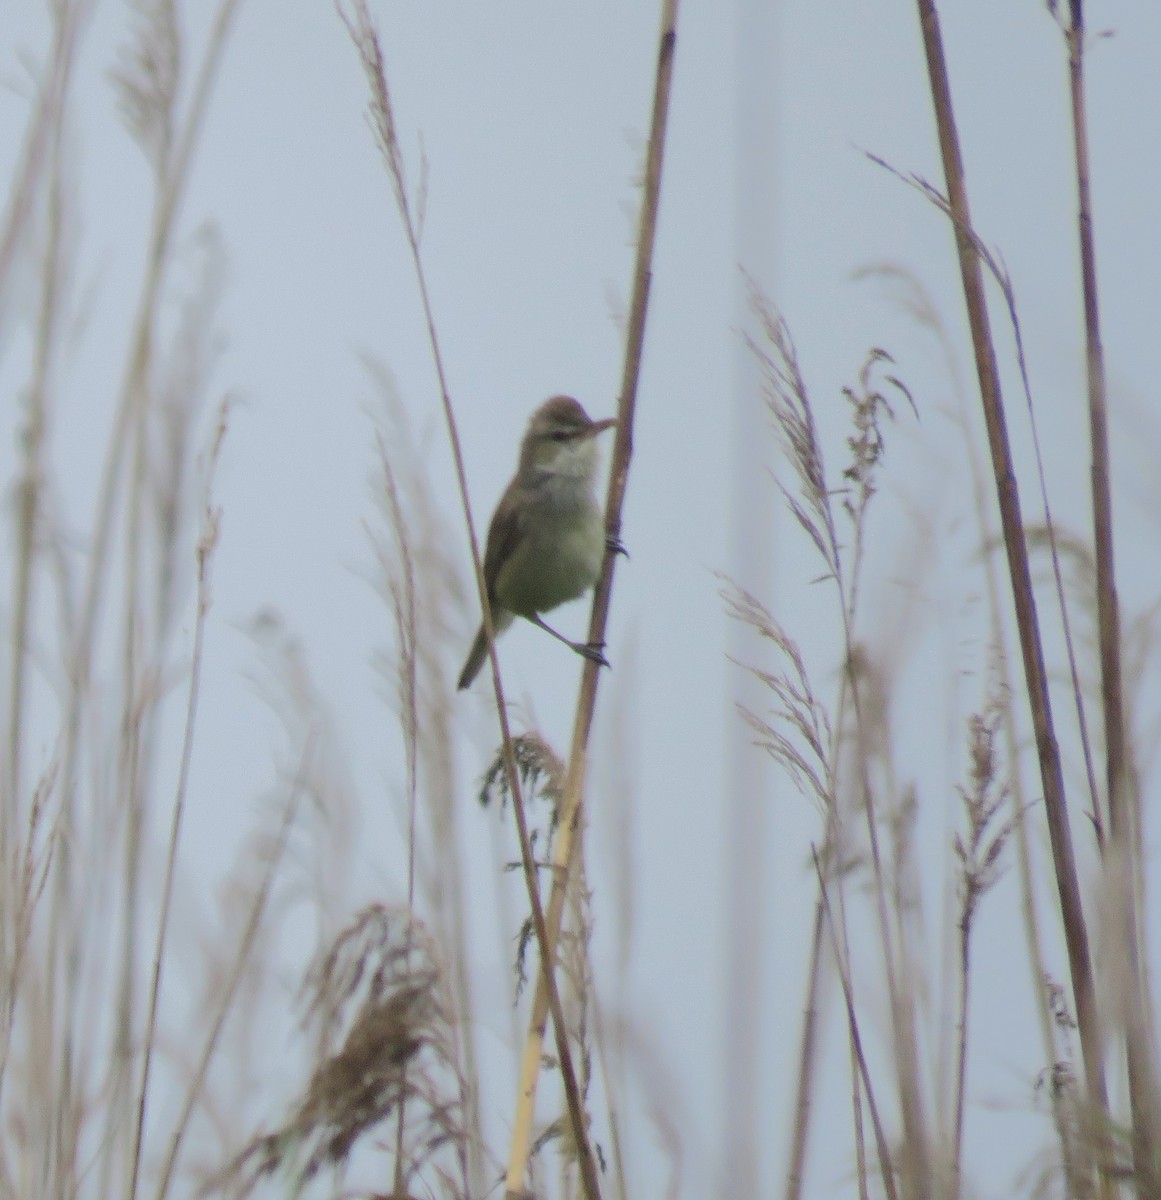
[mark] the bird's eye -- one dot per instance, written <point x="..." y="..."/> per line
<point x="560" y="435"/>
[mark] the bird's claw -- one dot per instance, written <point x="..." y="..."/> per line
<point x="593" y="651"/>
<point x="614" y="545"/>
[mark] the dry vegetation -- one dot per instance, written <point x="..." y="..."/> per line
<point x="107" y="1090"/>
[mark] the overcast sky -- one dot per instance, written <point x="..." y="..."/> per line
<point x="532" y="118"/>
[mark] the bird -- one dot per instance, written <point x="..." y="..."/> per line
<point x="546" y="542"/>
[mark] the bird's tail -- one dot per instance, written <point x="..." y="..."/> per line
<point x="479" y="652"/>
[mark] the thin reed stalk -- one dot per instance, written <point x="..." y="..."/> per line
<point x="205" y="550"/>
<point x="366" y="41"/>
<point x="172" y="178"/>
<point x="256" y="911"/>
<point x="403" y="604"/>
<point x="68" y="17"/>
<point x="1124" y="819"/>
<point x="813" y="508"/>
<point x="572" y="808"/>
<point x="979" y="854"/>
<point x="1027" y="620"/>
<point x="148" y="97"/>
<point x="30" y="498"/>
<point x="419" y="535"/>
<point x="42" y="150"/>
<point x="917" y="1173"/>
<point x="886" y="1167"/>
<point x="807" y="1058"/>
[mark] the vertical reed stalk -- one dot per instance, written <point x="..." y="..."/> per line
<point x="205" y="550"/>
<point x="571" y="815"/>
<point x="863" y="1075"/>
<point x="1036" y="680"/>
<point x="1124" y="827"/>
<point x="365" y="39"/>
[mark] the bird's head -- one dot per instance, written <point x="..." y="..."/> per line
<point x="561" y="439"/>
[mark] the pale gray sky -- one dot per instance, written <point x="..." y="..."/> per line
<point x="533" y="118"/>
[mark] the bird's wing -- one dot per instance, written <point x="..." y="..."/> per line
<point x="504" y="535"/>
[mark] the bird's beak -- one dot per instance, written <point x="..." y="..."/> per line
<point x="599" y="427"/>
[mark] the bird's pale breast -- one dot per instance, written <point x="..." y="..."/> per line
<point x="557" y="560"/>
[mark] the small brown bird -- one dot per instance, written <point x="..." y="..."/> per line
<point x="546" y="542"/>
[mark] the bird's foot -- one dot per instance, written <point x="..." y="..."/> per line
<point x="614" y="545"/>
<point x="593" y="651"/>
